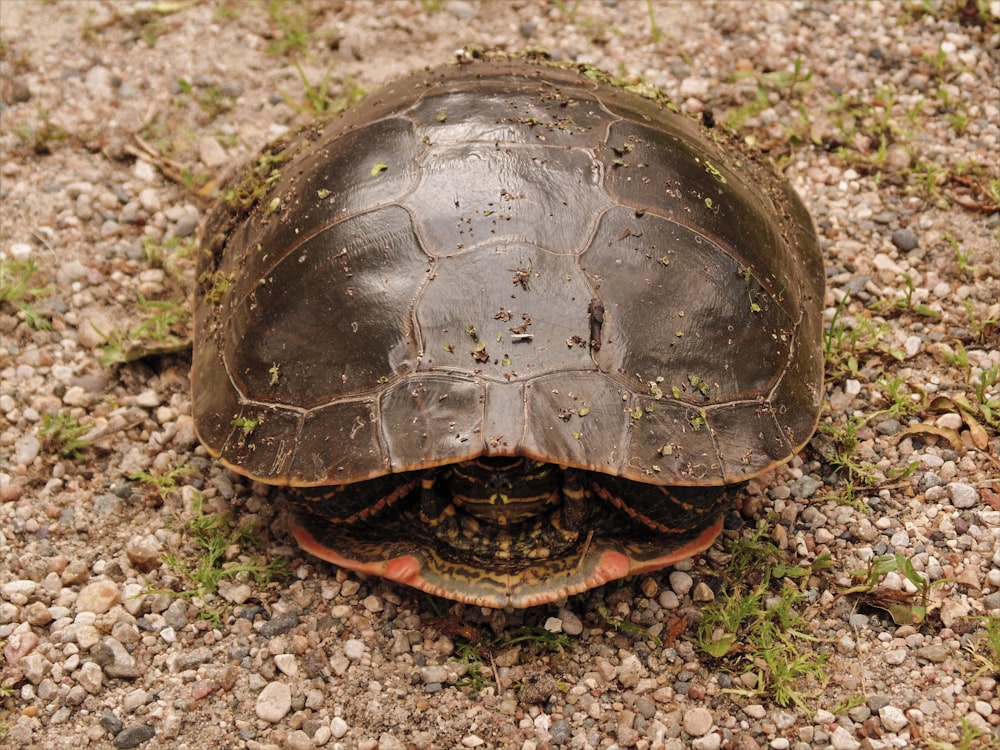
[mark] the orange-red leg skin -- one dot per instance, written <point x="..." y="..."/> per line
<point x="308" y="543"/>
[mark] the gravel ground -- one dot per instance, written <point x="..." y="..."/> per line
<point x="119" y="121"/>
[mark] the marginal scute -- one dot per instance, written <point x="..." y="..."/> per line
<point x="432" y="419"/>
<point x="339" y="443"/>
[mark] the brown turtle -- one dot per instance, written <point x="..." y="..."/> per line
<point x="507" y="330"/>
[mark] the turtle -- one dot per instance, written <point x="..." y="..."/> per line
<point x="507" y="330"/>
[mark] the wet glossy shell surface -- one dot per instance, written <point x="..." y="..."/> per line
<point x="509" y="259"/>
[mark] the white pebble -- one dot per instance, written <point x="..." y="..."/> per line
<point x="711" y="741"/>
<point x="892" y="718"/>
<point x="274" y="701"/>
<point x="841" y="739"/>
<point x="823" y="717"/>
<point x="150" y="200"/>
<point x="338" y="727"/>
<point x="17" y="592"/>
<point x="951" y="421"/>
<point x="19" y="250"/>
<point x="963" y="495"/>
<point x="755" y="711"/>
<point x="668" y="599"/>
<point x="354" y="649"/>
<point x="148" y="399"/>
<point x="895" y="656"/>
<point x="134" y="699"/>
<point x="287" y="664"/>
<point x="883" y="262"/>
<point x="90" y="677"/>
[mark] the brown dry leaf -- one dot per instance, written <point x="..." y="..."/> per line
<point x="947" y="433"/>
<point x="977" y="432"/>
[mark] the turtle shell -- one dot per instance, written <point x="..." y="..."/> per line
<point x="509" y="274"/>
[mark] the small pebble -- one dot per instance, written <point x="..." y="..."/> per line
<point x="703" y="593"/>
<point x="905" y="240"/>
<point x="287" y="663"/>
<point x="962" y="495"/>
<point x="354" y="649"/>
<point x="274" y="701"/>
<point x="681" y="582"/>
<point x="98" y="597"/>
<point x="711" y="741"/>
<point x="338" y="727"/>
<point x="114" y="659"/>
<point x="698" y="721"/>
<point x="134" y="736"/>
<point x="892" y="718"/>
<point x="841" y="739"/>
<point x="90" y="677"/>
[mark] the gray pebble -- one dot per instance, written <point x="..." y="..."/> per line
<point x="571" y="624"/>
<point x="859" y="713"/>
<point x="185" y="226"/>
<point x="931" y="479"/>
<point x="560" y="732"/>
<point x="935" y="653"/>
<point x="114" y="659"/>
<point x="71" y="271"/>
<point x="888" y="427"/>
<point x="232" y="89"/>
<point x="280" y="623"/>
<point x="804" y="487"/>
<point x="134" y="736"/>
<point x="905" y="240"/>
<point x="111" y="722"/>
<point x="875" y="702"/>
<point x="176" y="614"/>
